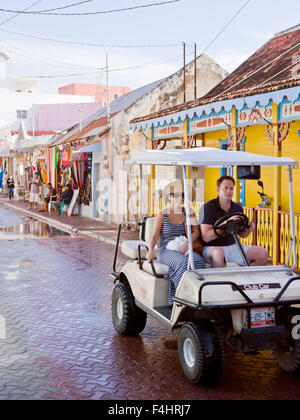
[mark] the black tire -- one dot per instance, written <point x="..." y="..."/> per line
<point x="127" y="318"/>
<point x="289" y="360"/>
<point x="201" y="352"/>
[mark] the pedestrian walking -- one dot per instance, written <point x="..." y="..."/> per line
<point x="34" y="198"/>
<point x="10" y="183"/>
<point x="1" y="179"/>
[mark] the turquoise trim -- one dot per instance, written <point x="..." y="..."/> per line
<point x="223" y="171"/>
<point x="279" y="97"/>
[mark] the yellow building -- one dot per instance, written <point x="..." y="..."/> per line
<point x="255" y="109"/>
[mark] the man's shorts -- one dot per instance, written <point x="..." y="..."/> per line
<point x="34" y="198"/>
<point x="231" y="252"/>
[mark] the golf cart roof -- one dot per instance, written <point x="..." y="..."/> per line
<point x="208" y="157"/>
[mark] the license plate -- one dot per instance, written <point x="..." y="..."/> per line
<point x="260" y="317"/>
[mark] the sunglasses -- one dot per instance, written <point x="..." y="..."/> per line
<point x="177" y="195"/>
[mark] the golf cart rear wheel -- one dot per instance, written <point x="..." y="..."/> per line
<point x="127" y="318"/>
<point x="201" y="352"/>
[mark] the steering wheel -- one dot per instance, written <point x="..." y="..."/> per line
<point x="227" y="226"/>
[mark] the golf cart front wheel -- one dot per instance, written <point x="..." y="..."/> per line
<point x="201" y="352"/>
<point x="289" y="361"/>
<point x="289" y="358"/>
<point x="127" y="318"/>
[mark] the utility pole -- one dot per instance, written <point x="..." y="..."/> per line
<point x="195" y="72"/>
<point x="184" y="65"/>
<point x="107" y="94"/>
<point x="80" y="110"/>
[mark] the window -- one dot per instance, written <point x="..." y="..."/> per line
<point x="22" y="114"/>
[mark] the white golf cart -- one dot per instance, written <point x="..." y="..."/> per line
<point x="244" y="308"/>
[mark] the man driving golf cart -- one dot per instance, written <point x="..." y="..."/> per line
<point x="220" y="247"/>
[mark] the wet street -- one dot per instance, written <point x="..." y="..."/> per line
<point x="57" y="339"/>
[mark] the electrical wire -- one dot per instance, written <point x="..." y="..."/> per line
<point x="256" y="71"/>
<point x="57" y="63"/>
<point x="275" y="75"/>
<point x="215" y="38"/>
<point x="17" y="14"/>
<point x="41" y="12"/>
<point x="51" y="61"/>
<point x="66" y="7"/>
<point x="89" y="44"/>
<point x="226" y="26"/>
<point x="113" y="70"/>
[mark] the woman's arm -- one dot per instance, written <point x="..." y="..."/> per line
<point x="155" y="235"/>
<point x="195" y="233"/>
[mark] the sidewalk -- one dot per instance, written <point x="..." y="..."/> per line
<point x="76" y="224"/>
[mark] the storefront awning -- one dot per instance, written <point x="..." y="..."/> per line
<point x="96" y="147"/>
<point x="5" y="151"/>
<point x="219" y="109"/>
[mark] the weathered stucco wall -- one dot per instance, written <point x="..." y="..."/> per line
<point x="125" y="143"/>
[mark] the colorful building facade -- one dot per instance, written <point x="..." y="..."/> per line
<point x="255" y="109"/>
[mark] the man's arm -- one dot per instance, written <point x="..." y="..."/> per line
<point x="248" y="230"/>
<point x="208" y="233"/>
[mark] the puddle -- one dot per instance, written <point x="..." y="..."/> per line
<point x="30" y="229"/>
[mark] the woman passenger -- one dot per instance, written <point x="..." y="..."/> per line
<point x="170" y="224"/>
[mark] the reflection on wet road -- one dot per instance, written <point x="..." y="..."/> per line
<point x="16" y="227"/>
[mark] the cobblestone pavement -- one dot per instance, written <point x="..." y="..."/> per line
<point x="60" y="343"/>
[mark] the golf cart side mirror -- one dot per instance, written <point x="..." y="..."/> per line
<point x="248" y="172"/>
<point x="260" y="184"/>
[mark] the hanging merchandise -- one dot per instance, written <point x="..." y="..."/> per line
<point x="78" y="169"/>
<point x="63" y="177"/>
<point x="65" y="160"/>
<point x="39" y="169"/>
<point x="43" y="171"/>
<point x="53" y="163"/>
<point x="79" y="157"/>
<point x="49" y="165"/>
<point x="67" y="176"/>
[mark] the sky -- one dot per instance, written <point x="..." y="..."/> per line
<point x="240" y="26"/>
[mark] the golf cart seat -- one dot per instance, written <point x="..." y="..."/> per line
<point x="131" y="248"/>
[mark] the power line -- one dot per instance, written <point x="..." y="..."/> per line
<point x="65" y="7"/>
<point x="112" y="70"/>
<point x="49" y="61"/>
<point x="41" y="12"/>
<point x="217" y="36"/>
<point x="226" y="26"/>
<point x="17" y="14"/>
<point x="89" y="44"/>
<point x="258" y="70"/>
<point x="58" y="63"/>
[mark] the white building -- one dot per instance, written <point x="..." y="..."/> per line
<point x="18" y="95"/>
